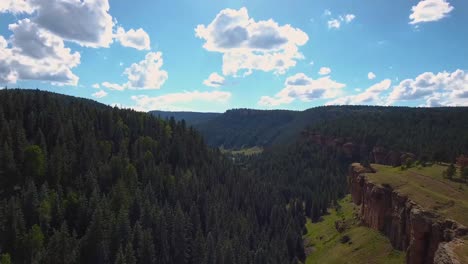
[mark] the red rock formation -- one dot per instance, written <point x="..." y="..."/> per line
<point x="407" y="225"/>
<point x="348" y="149"/>
<point x="379" y="155"/>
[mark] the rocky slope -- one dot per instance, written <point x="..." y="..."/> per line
<point x="426" y="237"/>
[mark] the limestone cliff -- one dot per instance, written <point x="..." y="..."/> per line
<point x="424" y="236"/>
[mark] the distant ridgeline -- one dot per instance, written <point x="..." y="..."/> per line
<point x="191" y="118"/>
<point x="81" y="182"/>
<point x="390" y="135"/>
<point x="430" y="133"/>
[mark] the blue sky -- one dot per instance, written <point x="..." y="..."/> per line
<point x="216" y="55"/>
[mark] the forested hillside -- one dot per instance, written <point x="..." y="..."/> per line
<point x="191" y="118"/>
<point x="82" y="182"/>
<point x="439" y="133"/>
<point x="85" y="183"/>
<point x="239" y="128"/>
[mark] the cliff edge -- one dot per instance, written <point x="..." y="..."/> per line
<point x="426" y="236"/>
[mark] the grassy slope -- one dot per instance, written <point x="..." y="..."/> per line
<point x="244" y="151"/>
<point x="367" y="245"/>
<point x="428" y="188"/>
<point x="462" y="253"/>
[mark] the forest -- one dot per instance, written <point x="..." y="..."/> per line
<point x="428" y="130"/>
<point x="86" y="183"/>
<point x="82" y="182"/>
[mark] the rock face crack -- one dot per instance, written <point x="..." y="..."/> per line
<point x="425" y="236"/>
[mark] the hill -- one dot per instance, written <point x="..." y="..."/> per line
<point x="81" y="182"/>
<point x="339" y="238"/>
<point x="191" y="118"/>
<point x="391" y="128"/>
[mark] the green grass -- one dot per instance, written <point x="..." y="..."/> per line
<point x="245" y="151"/>
<point x="366" y="245"/>
<point x="462" y="252"/>
<point x="427" y="187"/>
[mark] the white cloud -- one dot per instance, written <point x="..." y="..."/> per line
<point x="113" y="86"/>
<point x="304" y="88"/>
<point x="145" y="75"/>
<point x="371" y="95"/>
<point x="324" y="71"/>
<point x="249" y="45"/>
<point x="178" y="101"/>
<point x="36" y="49"/>
<point x="371" y="76"/>
<point x="443" y="88"/>
<point x="214" y="80"/>
<point x="96" y="86"/>
<point x="99" y="94"/>
<point x="87" y="23"/>
<point x="327" y="12"/>
<point x="36" y="54"/>
<point x="137" y="39"/>
<point x="16" y="6"/>
<point x="334" y="23"/>
<point x="349" y="17"/>
<point x="430" y="10"/>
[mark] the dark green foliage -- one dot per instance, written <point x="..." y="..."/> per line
<point x="85" y="183"/>
<point x="450" y="172"/>
<point x="34" y="162"/>
<point x="5" y="259"/>
<point x="464" y="173"/>
<point x="191" y="118"/>
<point x="434" y="133"/>
<point x="245" y="127"/>
<point x="437" y="134"/>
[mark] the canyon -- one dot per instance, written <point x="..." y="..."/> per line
<point x="425" y="236"/>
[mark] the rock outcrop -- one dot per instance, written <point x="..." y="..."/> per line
<point x="424" y="235"/>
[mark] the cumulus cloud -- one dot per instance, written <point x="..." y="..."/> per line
<point x="178" y="101"/>
<point x="144" y="75"/>
<point x="100" y="94"/>
<point x="137" y="39"/>
<point x="96" y="86"/>
<point x="349" y="17"/>
<point x="147" y="74"/>
<point x="335" y="23"/>
<point x="372" y="95"/>
<point x="303" y="88"/>
<point x="215" y="80"/>
<point x="16" y="6"/>
<point x="113" y="86"/>
<point x="430" y="10"/>
<point x="36" y="49"/>
<point x="371" y="76"/>
<point x="249" y="45"/>
<point x="324" y="71"/>
<point x="36" y="54"/>
<point x="87" y="23"/>
<point x="443" y="88"/>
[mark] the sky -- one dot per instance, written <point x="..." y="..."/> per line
<point x="215" y="55"/>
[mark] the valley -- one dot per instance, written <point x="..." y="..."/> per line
<point x="149" y="188"/>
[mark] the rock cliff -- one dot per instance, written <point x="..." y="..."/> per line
<point x="425" y="236"/>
